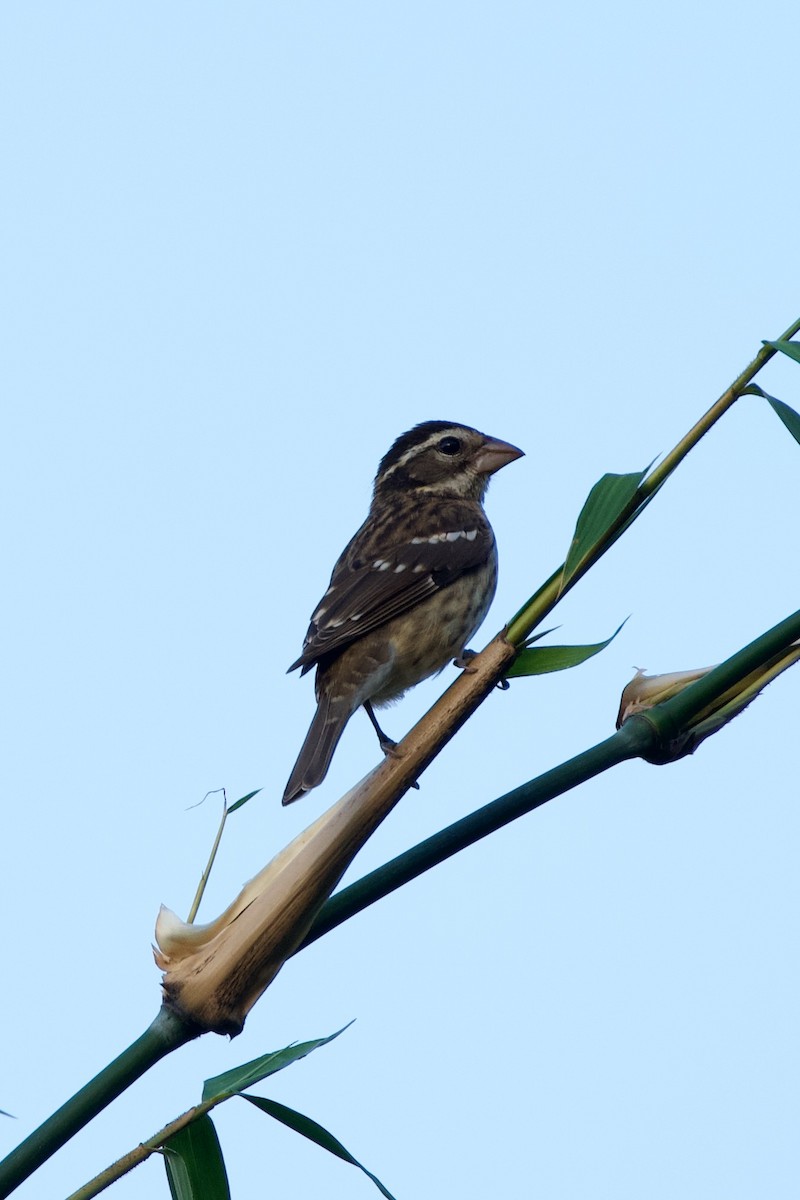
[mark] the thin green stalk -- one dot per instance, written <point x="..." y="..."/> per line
<point x="547" y="596"/>
<point x="201" y="887"/>
<point x="166" y="1034"/>
<point x="665" y="468"/>
<point x="143" y="1151"/>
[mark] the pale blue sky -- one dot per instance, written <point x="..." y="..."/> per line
<point x="244" y="247"/>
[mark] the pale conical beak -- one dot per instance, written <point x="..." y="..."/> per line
<point x="494" y="454"/>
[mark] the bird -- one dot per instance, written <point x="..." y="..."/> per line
<point x="408" y="591"/>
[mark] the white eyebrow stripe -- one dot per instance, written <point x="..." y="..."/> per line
<point x="430" y="442"/>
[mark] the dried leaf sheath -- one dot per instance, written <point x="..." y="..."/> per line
<point x="215" y="973"/>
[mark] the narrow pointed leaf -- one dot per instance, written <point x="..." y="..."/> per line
<point x="315" y="1132"/>
<point x="792" y="349"/>
<point x="790" y="418"/>
<point x="233" y="1081"/>
<point x="604" y="505"/>
<point x="537" y="637"/>
<point x="753" y="389"/>
<point x="194" y="1163"/>
<point x="539" y="660"/>
<point x="243" y="800"/>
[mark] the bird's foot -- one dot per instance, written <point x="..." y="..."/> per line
<point x="464" y="661"/>
<point x="388" y="745"/>
<point x="389" y="748"/>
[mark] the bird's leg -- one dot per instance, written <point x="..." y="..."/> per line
<point x="463" y="663"/>
<point x="386" y="744"/>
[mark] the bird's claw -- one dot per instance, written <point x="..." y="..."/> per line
<point x="464" y="661"/>
<point x="389" y="748"/>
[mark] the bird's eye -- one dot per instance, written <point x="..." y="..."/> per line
<point x="450" y="445"/>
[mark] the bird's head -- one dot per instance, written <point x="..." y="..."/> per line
<point x="442" y="458"/>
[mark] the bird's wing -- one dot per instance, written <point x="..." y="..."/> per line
<point x="367" y="591"/>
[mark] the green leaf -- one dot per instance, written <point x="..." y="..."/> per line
<point x="537" y="637"/>
<point x="539" y="660"/>
<point x="194" y="1163"/>
<point x="316" y="1133"/>
<point x="604" y="505"/>
<point x="792" y="349"/>
<point x="790" y="418"/>
<point x="243" y="800"/>
<point x="233" y="1081"/>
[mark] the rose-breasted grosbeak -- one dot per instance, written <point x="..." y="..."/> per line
<point x="409" y="590"/>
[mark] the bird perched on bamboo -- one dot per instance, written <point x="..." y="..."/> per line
<point x="409" y="590"/>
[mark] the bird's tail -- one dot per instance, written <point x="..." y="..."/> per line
<point x="317" y="750"/>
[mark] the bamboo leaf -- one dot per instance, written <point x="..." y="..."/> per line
<point x="194" y="1163"/>
<point x="792" y="349"/>
<point x="753" y="389"/>
<point x="315" y="1133"/>
<point x="604" y="505"/>
<point x="243" y="800"/>
<point x="790" y="418"/>
<point x="230" y="1083"/>
<point x="539" y="660"/>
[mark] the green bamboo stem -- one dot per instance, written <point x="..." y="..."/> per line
<point x="639" y="737"/>
<point x="625" y="744"/>
<point x="165" y="1034"/>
